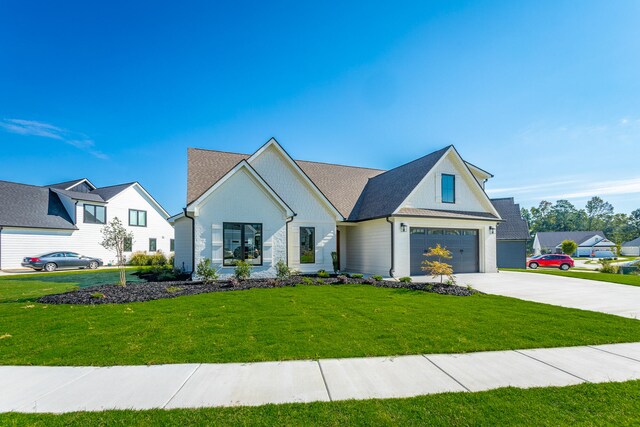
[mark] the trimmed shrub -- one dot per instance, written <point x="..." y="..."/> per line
<point x="205" y="271"/>
<point x="357" y="276"/>
<point x="377" y="278"/>
<point x="282" y="270"/>
<point x="158" y="258"/>
<point x="139" y="259"/>
<point x="307" y="281"/>
<point x="405" y="279"/>
<point x="607" y="267"/>
<point x="242" y="270"/>
<point x="323" y="274"/>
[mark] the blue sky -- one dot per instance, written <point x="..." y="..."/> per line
<point x="543" y="94"/>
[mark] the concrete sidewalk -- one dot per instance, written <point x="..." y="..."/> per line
<point x="67" y="389"/>
<point x="593" y="295"/>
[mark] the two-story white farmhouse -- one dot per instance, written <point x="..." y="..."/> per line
<point x="266" y="207"/>
<point x="69" y="216"/>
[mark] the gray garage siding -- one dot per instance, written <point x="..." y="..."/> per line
<point x="512" y="253"/>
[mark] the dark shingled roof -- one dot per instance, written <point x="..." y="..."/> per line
<point x="89" y="197"/>
<point x="357" y="193"/>
<point x="634" y="242"/>
<point x="107" y="193"/>
<point x="551" y="239"/>
<point x="23" y="205"/>
<point x="384" y="193"/>
<point x="513" y="226"/>
<point x="442" y="213"/>
<point x="340" y="184"/>
<point x="66" y="184"/>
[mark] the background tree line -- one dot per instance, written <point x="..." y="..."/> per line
<point x="597" y="215"/>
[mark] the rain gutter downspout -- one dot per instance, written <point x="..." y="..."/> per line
<point x="193" y="239"/>
<point x="392" y="247"/>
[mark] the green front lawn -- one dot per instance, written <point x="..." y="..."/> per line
<point x="622" y="279"/>
<point x="31" y="286"/>
<point x="303" y="322"/>
<point x="584" y="404"/>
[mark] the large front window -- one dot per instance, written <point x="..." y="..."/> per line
<point x="448" y="188"/>
<point x="307" y="245"/>
<point x="95" y="214"/>
<point x="242" y="241"/>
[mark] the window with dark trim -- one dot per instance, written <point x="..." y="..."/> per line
<point x="242" y="241"/>
<point x="95" y="214"/>
<point x="137" y="218"/>
<point x="153" y="245"/>
<point x="448" y="188"/>
<point x="307" y="245"/>
<point x="128" y="244"/>
<point x="172" y="245"/>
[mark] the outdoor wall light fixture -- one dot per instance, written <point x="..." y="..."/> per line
<point x="492" y="229"/>
<point x="403" y="227"/>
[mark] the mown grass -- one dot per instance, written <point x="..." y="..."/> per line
<point x="302" y="322"/>
<point x="31" y="286"/>
<point x="585" y="404"/>
<point x="622" y="279"/>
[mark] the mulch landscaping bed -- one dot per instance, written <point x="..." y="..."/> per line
<point x="140" y="292"/>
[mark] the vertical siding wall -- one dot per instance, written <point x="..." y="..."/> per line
<point x="310" y="210"/>
<point x="369" y="247"/>
<point x="19" y="243"/>
<point x="240" y="199"/>
<point x="428" y="195"/>
<point x="183" y="254"/>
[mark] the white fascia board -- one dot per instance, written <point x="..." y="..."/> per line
<point x="80" y="182"/>
<point x="477" y="188"/>
<point x="294" y="165"/>
<point x="243" y="164"/>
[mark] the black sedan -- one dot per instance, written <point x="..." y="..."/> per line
<point x="51" y="261"/>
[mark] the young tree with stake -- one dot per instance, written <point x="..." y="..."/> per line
<point x="114" y="237"/>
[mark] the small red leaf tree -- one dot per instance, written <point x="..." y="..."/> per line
<point x="438" y="267"/>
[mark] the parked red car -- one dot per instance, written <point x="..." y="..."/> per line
<point x="563" y="262"/>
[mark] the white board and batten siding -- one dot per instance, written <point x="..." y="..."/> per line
<point x="369" y="248"/>
<point x="18" y="243"/>
<point x="239" y="199"/>
<point x="310" y="209"/>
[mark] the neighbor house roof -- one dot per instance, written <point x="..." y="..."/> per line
<point x="29" y="206"/>
<point x="107" y="193"/>
<point x="634" y="242"/>
<point x="513" y="226"/>
<point x="551" y="239"/>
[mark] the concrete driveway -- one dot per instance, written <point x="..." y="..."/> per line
<point x="610" y="298"/>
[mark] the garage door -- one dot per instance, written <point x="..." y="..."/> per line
<point x="463" y="245"/>
<point x="512" y="254"/>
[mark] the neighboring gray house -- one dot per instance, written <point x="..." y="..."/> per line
<point x="588" y="242"/>
<point x="512" y="234"/>
<point x="631" y="248"/>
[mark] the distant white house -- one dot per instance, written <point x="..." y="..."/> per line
<point x="69" y="216"/>
<point x="588" y="242"/>
<point x="631" y="248"/>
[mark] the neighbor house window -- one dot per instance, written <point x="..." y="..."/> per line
<point x="95" y="214"/>
<point x="307" y="245"/>
<point x="448" y="188"/>
<point x="137" y="218"/>
<point x="128" y="244"/>
<point x="172" y="245"/>
<point x="153" y="244"/>
<point x="242" y="241"/>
